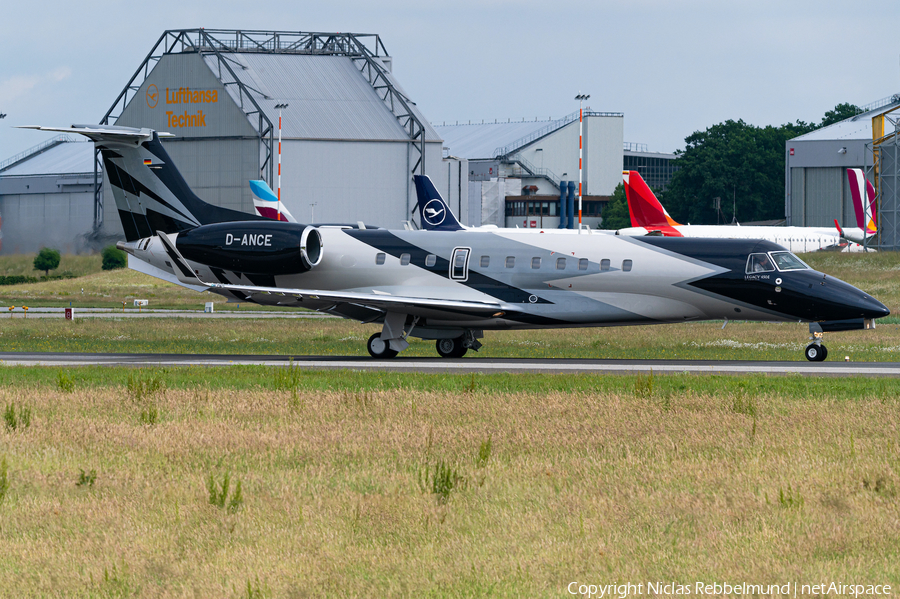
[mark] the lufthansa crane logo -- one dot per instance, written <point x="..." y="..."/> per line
<point x="152" y="96"/>
<point x="434" y="213"/>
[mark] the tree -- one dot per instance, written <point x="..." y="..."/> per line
<point x="113" y="258"/>
<point x="741" y="164"/>
<point x="615" y="213"/>
<point x="839" y="113"/>
<point x="46" y="260"/>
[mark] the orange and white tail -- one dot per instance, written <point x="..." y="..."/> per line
<point x="644" y="208"/>
<point x="864" y="209"/>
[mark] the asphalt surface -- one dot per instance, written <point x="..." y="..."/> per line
<point x="462" y="365"/>
<point x="19" y="312"/>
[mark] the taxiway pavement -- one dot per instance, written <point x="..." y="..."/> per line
<point x="463" y="365"/>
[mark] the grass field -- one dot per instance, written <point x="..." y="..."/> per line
<point x="355" y="484"/>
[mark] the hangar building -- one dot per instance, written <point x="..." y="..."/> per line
<point x="47" y="197"/>
<point x="516" y="168"/>
<point x="352" y="138"/>
<point x="816" y="187"/>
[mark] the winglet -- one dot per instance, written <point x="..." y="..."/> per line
<point x="840" y="230"/>
<point x="434" y="213"/>
<point x="182" y="269"/>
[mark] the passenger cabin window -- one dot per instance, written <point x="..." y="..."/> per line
<point x="459" y="267"/>
<point x="535" y="263"/>
<point x="404" y="259"/>
<point x="759" y="263"/>
<point x="560" y="264"/>
<point x="485" y="261"/>
<point x="604" y="264"/>
<point x="430" y="260"/>
<point x="510" y="262"/>
<point x="582" y="264"/>
<point x="626" y="265"/>
<point x="788" y="261"/>
<point x="379" y="258"/>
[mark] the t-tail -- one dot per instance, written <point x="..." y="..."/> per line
<point x="643" y="207"/>
<point x="434" y="213"/>
<point x="863" y="195"/>
<point x="150" y="193"/>
<point x="267" y="203"/>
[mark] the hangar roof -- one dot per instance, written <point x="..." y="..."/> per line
<point x="488" y="140"/>
<point x="66" y="157"/>
<point x="858" y="127"/>
<point x="327" y="97"/>
<point x="480" y="141"/>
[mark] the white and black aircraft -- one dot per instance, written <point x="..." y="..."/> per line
<point x="449" y="284"/>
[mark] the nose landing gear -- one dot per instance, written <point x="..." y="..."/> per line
<point x="815" y="351"/>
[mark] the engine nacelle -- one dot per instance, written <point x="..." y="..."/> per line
<point x="255" y="247"/>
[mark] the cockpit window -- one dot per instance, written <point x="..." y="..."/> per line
<point x="788" y="261"/>
<point x="759" y="263"/>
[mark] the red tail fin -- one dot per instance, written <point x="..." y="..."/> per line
<point x="644" y="208"/>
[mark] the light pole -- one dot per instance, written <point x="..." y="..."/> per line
<point x="581" y="98"/>
<point x="312" y="212"/>
<point x="279" y="107"/>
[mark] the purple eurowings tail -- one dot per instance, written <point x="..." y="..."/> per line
<point x="863" y="195"/>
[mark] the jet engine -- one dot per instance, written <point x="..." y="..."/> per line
<point x="255" y="247"/>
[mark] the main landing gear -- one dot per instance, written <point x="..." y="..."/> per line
<point x="451" y="348"/>
<point x="393" y="338"/>
<point x="378" y="348"/>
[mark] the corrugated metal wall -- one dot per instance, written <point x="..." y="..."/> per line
<point x="823" y="202"/>
<point x="56" y="220"/>
<point x="352" y="181"/>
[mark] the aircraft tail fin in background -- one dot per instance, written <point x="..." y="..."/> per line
<point x="434" y="213"/>
<point x="644" y="208"/>
<point x="863" y="195"/>
<point x="150" y="193"/>
<point x="267" y="203"/>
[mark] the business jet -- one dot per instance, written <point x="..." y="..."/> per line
<point x="449" y="284"/>
<point x="649" y="217"/>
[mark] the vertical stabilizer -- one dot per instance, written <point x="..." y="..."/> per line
<point x="150" y="193"/>
<point x="863" y="195"/>
<point x="267" y="203"/>
<point x="434" y="212"/>
<point x="643" y="207"/>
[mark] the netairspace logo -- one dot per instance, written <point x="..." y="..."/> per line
<point x="719" y="589"/>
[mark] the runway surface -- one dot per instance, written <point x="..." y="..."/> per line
<point x="463" y="365"/>
<point x="19" y="313"/>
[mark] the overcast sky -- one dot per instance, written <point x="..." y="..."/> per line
<point x="672" y="67"/>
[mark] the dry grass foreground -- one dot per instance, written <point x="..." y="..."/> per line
<point x="399" y="493"/>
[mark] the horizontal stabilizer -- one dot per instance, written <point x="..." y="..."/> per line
<point x="104" y="132"/>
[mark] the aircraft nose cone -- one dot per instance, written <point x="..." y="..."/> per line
<point x="875" y="309"/>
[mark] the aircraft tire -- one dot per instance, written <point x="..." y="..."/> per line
<point x="451" y="348"/>
<point x="378" y="348"/>
<point x="815" y="353"/>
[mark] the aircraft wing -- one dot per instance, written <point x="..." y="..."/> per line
<point x="381" y="302"/>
